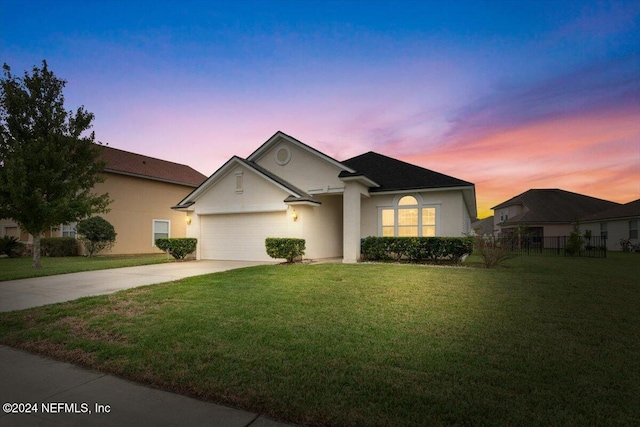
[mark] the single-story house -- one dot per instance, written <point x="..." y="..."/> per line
<point x="141" y="188"/>
<point x="546" y="212"/>
<point x="286" y="188"/>
<point x="483" y="227"/>
<point x="619" y="222"/>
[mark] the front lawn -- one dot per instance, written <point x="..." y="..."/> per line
<point x="20" y="268"/>
<point x="542" y="341"/>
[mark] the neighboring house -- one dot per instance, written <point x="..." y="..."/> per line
<point x="619" y="222"/>
<point x="546" y="212"/>
<point x="142" y="189"/>
<point x="288" y="189"/>
<point x="483" y="227"/>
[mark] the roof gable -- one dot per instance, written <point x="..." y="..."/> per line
<point x="279" y="136"/>
<point x="553" y="205"/>
<point x="395" y="175"/>
<point x="132" y="164"/>
<point x="295" y="194"/>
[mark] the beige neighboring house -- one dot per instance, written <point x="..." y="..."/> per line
<point x="546" y="212"/>
<point x="142" y="189"/>
<point x="619" y="222"/>
<point x="288" y="189"/>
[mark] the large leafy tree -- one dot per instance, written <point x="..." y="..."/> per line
<point x="49" y="163"/>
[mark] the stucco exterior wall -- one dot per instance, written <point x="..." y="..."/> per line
<point x="500" y="215"/>
<point x="452" y="218"/>
<point x="320" y="226"/>
<point x="256" y="195"/>
<point x="136" y="203"/>
<point x="304" y="170"/>
<point x="616" y="230"/>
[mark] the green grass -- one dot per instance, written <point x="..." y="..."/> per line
<point x="20" y="268"/>
<point x="541" y="341"/>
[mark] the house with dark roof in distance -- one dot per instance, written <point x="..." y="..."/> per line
<point x="617" y="223"/>
<point x="546" y="212"/>
<point x="141" y="189"/>
<point x="286" y="188"/>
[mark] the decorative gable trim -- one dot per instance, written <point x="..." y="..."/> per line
<point x="279" y="136"/>
<point x="295" y="194"/>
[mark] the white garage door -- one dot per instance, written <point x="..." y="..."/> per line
<point x="240" y="236"/>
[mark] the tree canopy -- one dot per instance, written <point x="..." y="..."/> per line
<point x="48" y="163"/>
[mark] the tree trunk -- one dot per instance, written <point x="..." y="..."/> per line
<point x="36" y="251"/>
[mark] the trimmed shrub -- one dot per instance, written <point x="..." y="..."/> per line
<point x="287" y="248"/>
<point x="178" y="247"/>
<point x="58" y="246"/>
<point x="97" y="234"/>
<point x="416" y="249"/>
<point x="11" y="246"/>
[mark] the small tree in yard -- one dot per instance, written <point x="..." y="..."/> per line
<point x="48" y="165"/>
<point x="97" y="234"/>
<point x="494" y="250"/>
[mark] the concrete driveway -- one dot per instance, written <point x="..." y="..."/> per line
<point x="27" y="293"/>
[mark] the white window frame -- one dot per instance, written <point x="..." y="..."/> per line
<point x="633" y="227"/>
<point x="419" y="206"/>
<point x="153" y="229"/>
<point x="71" y="228"/>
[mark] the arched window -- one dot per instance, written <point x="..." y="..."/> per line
<point x="408" y="218"/>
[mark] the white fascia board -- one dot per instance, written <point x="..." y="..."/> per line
<point x="280" y="135"/>
<point x="329" y="190"/>
<point x="361" y="179"/>
<point x="222" y="171"/>
<point x="423" y="190"/>
<point x="275" y="207"/>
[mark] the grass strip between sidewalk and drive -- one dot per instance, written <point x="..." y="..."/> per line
<point x="20" y="268"/>
<point x="540" y="341"/>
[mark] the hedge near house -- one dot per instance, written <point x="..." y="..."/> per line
<point x="416" y="249"/>
<point x="58" y="246"/>
<point x="178" y="247"/>
<point x="287" y="248"/>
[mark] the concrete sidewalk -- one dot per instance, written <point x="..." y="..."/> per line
<point x="37" y="291"/>
<point x="69" y="392"/>
<point x="79" y="397"/>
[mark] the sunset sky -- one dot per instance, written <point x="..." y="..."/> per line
<point x="509" y="95"/>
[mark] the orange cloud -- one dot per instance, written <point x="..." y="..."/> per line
<point x="595" y="154"/>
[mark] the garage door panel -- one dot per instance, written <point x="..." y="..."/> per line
<point x="240" y="236"/>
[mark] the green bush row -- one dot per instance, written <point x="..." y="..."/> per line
<point x="58" y="246"/>
<point x="416" y="249"/>
<point x="179" y="248"/>
<point x="286" y="248"/>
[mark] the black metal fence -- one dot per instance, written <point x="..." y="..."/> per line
<point x="590" y="247"/>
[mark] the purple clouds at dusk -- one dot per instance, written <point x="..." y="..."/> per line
<point x="507" y="95"/>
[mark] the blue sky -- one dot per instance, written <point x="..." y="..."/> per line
<point x="510" y="95"/>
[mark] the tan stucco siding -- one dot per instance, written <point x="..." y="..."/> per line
<point x="304" y="170"/>
<point x="136" y="203"/>
<point x="451" y="219"/>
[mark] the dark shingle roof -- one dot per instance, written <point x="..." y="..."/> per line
<point x="392" y="174"/>
<point x="628" y="210"/>
<point x="553" y="206"/>
<point x="124" y="162"/>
